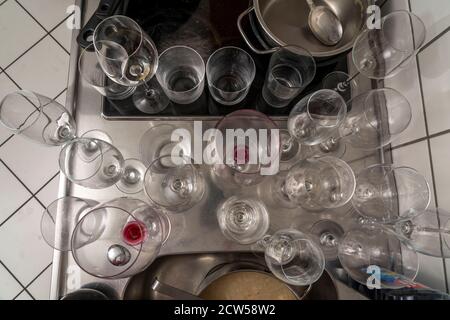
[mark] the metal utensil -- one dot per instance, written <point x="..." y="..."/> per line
<point x="324" y="24"/>
<point x="172" y="292"/>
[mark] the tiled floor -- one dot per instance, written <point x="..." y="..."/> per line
<point x="34" y="55"/>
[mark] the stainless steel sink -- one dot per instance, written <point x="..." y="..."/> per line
<point x="187" y="272"/>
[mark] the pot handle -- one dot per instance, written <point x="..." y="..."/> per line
<point x="244" y="35"/>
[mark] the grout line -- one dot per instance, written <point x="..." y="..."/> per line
<point x="406" y="144"/>
<point x="7" y="139"/>
<point x="40" y="273"/>
<point x="15" y="278"/>
<point x="17" y="210"/>
<point x="36" y="20"/>
<point x="3" y="2"/>
<point x="12" y="80"/>
<point x="14" y="174"/>
<point x="432" y="41"/>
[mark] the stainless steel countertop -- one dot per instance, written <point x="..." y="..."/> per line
<point x="193" y="231"/>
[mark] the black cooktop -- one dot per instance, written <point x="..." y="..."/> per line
<point x="206" y="25"/>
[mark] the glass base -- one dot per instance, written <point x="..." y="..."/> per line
<point x="150" y="99"/>
<point x="328" y="235"/>
<point x="132" y="177"/>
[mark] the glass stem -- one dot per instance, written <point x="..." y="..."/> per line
<point x="343" y="86"/>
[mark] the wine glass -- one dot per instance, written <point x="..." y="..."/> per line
<point x="174" y="183"/>
<point x="375" y="119"/>
<point x="96" y="164"/>
<point x="250" y="138"/>
<point x="315" y="184"/>
<point x="387" y="194"/>
<point x="293" y="257"/>
<point x="130" y="58"/>
<point x="59" y="219"/>
<point x="381" y="53"/>
<point x="244" y="220"/>
<point x="36" y="117"/>
<point x="327" y="234"/>
<point x="428" y="232"/>
<point x="314" y="119"/>
<point x="369" y="251"/>
<point x="126" y="243"/>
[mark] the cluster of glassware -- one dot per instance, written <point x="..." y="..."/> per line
<point x="122" y="237"/>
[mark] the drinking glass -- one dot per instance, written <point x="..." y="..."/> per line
<point x="230" y="72"/>
<point x="381" y="53"/>
<point x="290" y="71"/>
<point x="244" y="220"/>
<point x="93" y="74"/>
<point x="369" y="251"/>
<point x="36" y="117"/>
<point x="316" y="117"/>
<point x="375" y="119"/>
<point x="428" y="232"/>
<point x="96" y="164"/>
<point x="174" y="183"/>
<point x="181" y="74"/>
<point x="327" y="234"/>
<point x="322" y="183"/>
<point x="129" y="57"/>
<point x="250" y="137"/>
<point x="293" y="257"/>
<point x="59" y="219"/>
<point x="126" y="243"/>
<point x="387" y="194"/>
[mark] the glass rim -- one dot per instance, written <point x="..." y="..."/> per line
<point x="241" y="51"/>
<point x="138" y="27"/>
<point x="83" y="55"/>
<point x="203" y="67"/>
<point x="340" y="118"/>
<point x="40" y="109"/>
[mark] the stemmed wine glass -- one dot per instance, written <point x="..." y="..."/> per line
<point x="375" y="119"/>
<point x="315" y="184"/>
<point x="96" y="164"/>
<point x="126" y="241"/>
<point x="242" y="219"/>
<point x="293" y="257"/>
<point x="428" y="232"/>
<point x="313" y="120"/>
<point x="240" y="159"/>
<point x="387" y="194"/>
<point x="38" y="118"/>
<point x="368" y="251"/>
<point x="129" y="57"/>
<point x="381" y="53"/>
<point x="174" y="183"/>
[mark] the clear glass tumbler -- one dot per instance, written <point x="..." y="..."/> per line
<point x="181" y="74"/>
<point x="230" y="72"/>
<point x="38" y="118"/>
<point x="290" y="71"/>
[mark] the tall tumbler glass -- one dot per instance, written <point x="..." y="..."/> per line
<point x="181" y="74"/>
<point x="92" y="73"/>
<point x="290" y="71"/>
<point x="230" y="72"/>
<point x="36" y="117"/>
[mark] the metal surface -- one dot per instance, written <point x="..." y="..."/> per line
<point x="286" y="22"/>
<point x="195" y="231"/>
<point x="324" y="24"/>
<point x="172" y="292"/>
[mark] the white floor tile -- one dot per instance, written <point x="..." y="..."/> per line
<point x="12" y="193"/>
<point x="18" y="32"/>
<point x="43" y="69"/>
<point x="440" y="150"/>
<point x="64" y="36"/>
<point x="50" y="192"/>
<point x="435" y="15"/>
<point x="40" y="288"/>
<point x="435" y="72"/>
<point x="6" y="87"/>
<point x="48" y="12"/>
<point x="407" y="83"/>
<point x="24" y="296"/>
<point x="416" y="156"/>
<point x="431" y="272"/>
<point x="22" y="232"/>
<point x="9" y="287"/>
<point x="18" y="154"/>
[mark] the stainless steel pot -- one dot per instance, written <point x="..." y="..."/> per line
<point x="283" y="22"/>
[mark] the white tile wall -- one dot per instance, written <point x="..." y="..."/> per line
<point x="435" y="14"/>
<point x="34" y="56"/>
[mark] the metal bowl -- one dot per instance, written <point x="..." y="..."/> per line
<point x="283" y="22"/>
